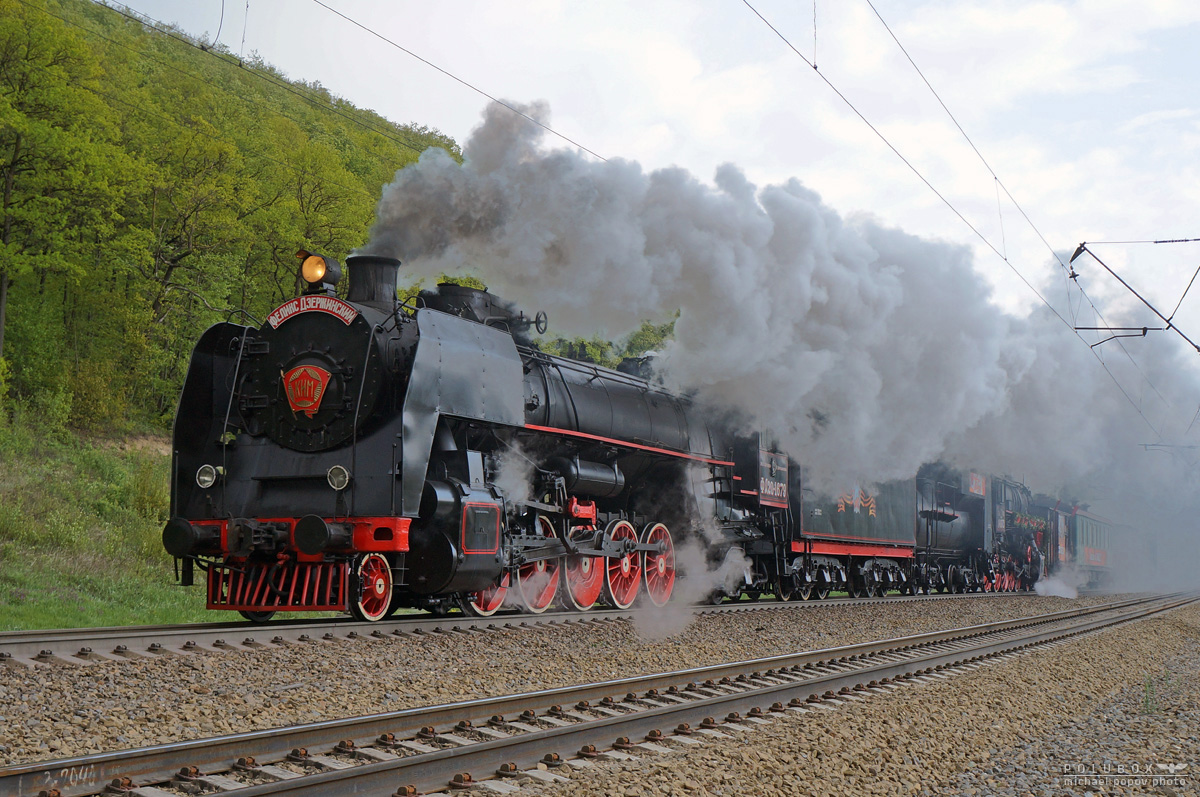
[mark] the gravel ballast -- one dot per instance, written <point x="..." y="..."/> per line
<point x="1117" y="712"/>
<point x="59" y="711"/>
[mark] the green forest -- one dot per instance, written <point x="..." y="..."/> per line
<point x="152" y="186"/>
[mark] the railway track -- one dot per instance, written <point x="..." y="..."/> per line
<point x="432" y="748"/>
<point x="77" y="645"/>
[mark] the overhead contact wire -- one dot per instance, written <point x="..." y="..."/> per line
<point x="1160" y="241"/>
<point x="158" y="27"/>
<point x="220" y="25"/>
<point x="1001" y="186"/>
<point x="951" y="207"/>
<point x="983" y="160"/>
<point x="905" y="161"/>
<point x="1185" y="293"/>
<point x="459" y="80"/>
<point x="1144" y="301"/>
<point x="245" y="24"/>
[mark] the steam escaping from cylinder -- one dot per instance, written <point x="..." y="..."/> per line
<point x="514" y="475"/>
<point x="1064" y="583"/>
<point x="697" y="579"/>
<point x="864" y="350"/>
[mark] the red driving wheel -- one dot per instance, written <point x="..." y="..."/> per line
<point x="374" y="576"/>
<point x="488" y="601"/>
<point x="622" y="575"/>
<point x="659" y="567"/>
<point x="537" y="582"/>
<point x="583" y="578"/>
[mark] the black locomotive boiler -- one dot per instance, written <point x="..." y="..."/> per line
<point x="347" y="455"/>
<point x="358" y="454"/>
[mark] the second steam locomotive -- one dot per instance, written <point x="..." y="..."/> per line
<point x="362" y="455"/>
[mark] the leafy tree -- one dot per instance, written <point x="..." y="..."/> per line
<point x="151" y="187"/>
<point x="596" y="350"/>
<point x="62" y="173"/>
<point x="648" y="338"/>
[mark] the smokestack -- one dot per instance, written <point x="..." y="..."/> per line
<point x="372" y="279"/>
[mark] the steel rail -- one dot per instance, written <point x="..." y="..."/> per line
<point x="434" y="770"/>
<point x="135" y="642"/>
<point x="79" y="775"/>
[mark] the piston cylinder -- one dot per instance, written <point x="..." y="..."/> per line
<point x="455" y="544"/>
<point x="591" y="479"/>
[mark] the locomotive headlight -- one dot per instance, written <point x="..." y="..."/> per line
<point x="313" y="269"/>
<point x="318" y="271"/>
<point x="338" y="477"/>
<point x="208" y="475"/>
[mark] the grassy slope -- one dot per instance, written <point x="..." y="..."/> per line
<point x="80" y="526"/>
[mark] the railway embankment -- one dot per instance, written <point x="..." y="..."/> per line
<point x="81" y="531"/>
<point x="57" y="711"/>
<point x="1114" y="713"/>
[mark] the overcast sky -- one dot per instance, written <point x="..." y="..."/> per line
<point x="1087" y="111"/>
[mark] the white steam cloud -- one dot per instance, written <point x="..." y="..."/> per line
<point x="514" y="475"/>
<point x="1064" y="583"/>
<point x="867" y="351"/>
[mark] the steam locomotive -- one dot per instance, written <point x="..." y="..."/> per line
<point x="363" y="455"/>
